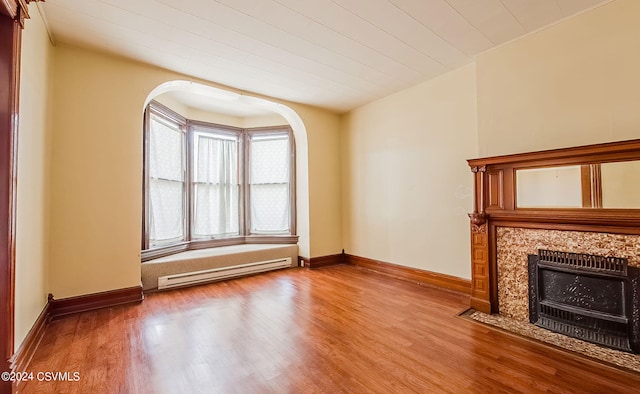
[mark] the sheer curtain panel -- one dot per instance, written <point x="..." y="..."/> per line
<point x="166" y="182"/>
<point x="216" y="186"/>
<point x="269" y="183"/>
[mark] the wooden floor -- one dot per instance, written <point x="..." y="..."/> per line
<point x="336" y="329"/>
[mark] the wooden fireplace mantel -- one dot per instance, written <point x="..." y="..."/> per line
<point x="495" y="205"/>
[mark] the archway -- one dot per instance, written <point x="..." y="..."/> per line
<point x="294" y="120"/>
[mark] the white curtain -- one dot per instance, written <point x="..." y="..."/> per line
<point x="217" y="187"/>
<point x="269" y="183"/>
<point x="166" y="182"/>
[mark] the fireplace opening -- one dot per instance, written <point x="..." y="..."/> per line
<point x="589" y="297"/>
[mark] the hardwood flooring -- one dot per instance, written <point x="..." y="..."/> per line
<point x="336" y="329"/>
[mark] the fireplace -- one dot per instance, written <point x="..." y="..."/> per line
<point x="589" y="297"/>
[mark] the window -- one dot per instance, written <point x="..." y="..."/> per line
<point x="208" y="185"/>
<point x="166" y="192"/>
<point x="269" y="185"/>
<point x="216" y="183"/>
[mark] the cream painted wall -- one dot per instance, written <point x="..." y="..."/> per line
<point x="237" y="121"/>
<point x="265" y="121"/>
<point x="96" y="172"/>
<point x="406" y="184"/>
<point x="325" y="188"/>
<point x="575" y="83"/>
<point x="213" y="117"/>
<point x="32" y="216"/>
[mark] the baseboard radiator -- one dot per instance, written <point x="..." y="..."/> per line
<point x="215" y="274"/>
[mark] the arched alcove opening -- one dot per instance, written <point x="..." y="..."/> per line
<point x="222" y="99"/>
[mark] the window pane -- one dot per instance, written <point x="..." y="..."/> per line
<point x="270" y="208"/>
<point x="165" y="150"/>
<point x="216" y="210"/>
<point x="269" y="183"/>
<point x="270" y="159"/>
<point x="217" y="188"/>
<point x="166" y="211"/>
<point x="166" y="182"/>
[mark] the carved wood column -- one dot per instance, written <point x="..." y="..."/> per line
<point x="480" y="275"/>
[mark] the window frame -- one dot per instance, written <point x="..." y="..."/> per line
<point x="247" y="175"/>
<point x="245" y="236"/>
<point x="219" y="129"/>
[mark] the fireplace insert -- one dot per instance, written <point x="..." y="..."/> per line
<point x="589" y="297"/>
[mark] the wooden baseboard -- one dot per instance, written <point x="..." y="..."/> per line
<point x="22" y="357"/>
<point x="89" y="302"/>
<point x="325" y="261"/>
<point x="63" y="307"/>
<point x="322" y="261"/>
<point x="414" y="275"/>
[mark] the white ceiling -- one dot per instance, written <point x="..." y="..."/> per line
<point x="337" y="54"/>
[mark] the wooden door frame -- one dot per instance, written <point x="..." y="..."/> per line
<point x="12" y="16"/>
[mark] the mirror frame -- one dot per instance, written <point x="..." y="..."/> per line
<point x="495" y="182"/>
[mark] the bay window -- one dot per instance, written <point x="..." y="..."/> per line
<point x="208" y="185"/>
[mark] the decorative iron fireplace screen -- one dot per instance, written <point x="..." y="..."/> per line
<point x="593" y="298"/>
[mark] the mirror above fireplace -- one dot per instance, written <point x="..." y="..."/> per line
<point x="549" y="187"/>
<point x="612" y="185"/>
<point x="621" y="184"/>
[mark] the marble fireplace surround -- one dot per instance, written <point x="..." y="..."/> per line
<point x="514" y="244"/>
